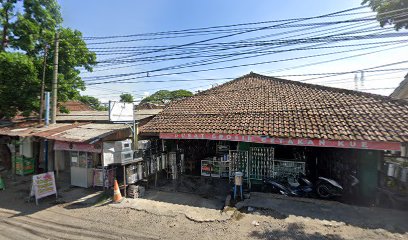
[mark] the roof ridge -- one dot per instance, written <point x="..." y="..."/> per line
<point x="327" y="88"/>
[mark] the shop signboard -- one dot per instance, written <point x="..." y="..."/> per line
<point x="43" y="185"/>
<point x="78" y="147"/>
<point x="121" y="112"/>
<point x="357" y="144"/>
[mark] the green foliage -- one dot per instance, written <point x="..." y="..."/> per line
<point x="36" y="25"/>
<point x="165" y="96"/>
<point x="93" y="102"/>
<point x="31" y="27"/>
<point x="6" y="13"/>
<point x="126" y="97"/>
<point x="18" y="85"/>
<point x="392" y="12"/>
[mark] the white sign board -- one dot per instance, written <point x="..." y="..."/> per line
<point x="43" y="185"/>
<point x="121" y="112"/>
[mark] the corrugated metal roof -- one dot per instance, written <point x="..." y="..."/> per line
<point x="86" y="132"/>
<point x="79" y="132"/>
<point x="25" y="129"/>
<point x="103" y="116"/>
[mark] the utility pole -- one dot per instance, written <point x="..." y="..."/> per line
<point x="43" y="85"/>
<point x="55" y="81"/>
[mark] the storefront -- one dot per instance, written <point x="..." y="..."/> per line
<point x="82" y="159"/>
<point x="267" y="127"/>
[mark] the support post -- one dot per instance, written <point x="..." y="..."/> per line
<point x="47" y="109"/>
<point x="43" y="85"/>
<point x="45" y="155"/>
<point x="55" y="81"/>
<point x="124" y="181"/>
<point x="135" y="135"/>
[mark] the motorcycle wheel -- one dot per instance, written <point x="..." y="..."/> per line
<point x="323" y="191"/>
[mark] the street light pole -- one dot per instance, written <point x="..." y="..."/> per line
<point x="55" y="81"/>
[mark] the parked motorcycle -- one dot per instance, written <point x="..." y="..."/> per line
<point x="302" y="188"/>
<point x="324" y="187"/>
<point x="328" y="188"/>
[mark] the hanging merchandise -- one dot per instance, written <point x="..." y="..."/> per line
<point x="261" y="162"/>
<point x="173" y="164"/>
<point x="103" y="177"/>
<point x="238" y="163"/>
<point x="140" y="170"/>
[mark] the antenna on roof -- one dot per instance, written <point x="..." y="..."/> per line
<point x="362" y="79"/>
<point x="355" y="82"/>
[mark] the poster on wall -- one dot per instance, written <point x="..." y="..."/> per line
<point x="43" y="185"/>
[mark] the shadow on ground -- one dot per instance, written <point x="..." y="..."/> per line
<point x="15" y="197"/>
<point x="193" y="191"/>
<point x="292" y="232"/>
<point x="280" y="207"/>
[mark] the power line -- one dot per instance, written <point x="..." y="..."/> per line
<point x="175" y="67"/>
<point x="336" y="14"/>
<point x="149" y="71"/>
<point x="241" y="65"/>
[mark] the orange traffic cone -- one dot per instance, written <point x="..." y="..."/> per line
<point x="117" y="196"/>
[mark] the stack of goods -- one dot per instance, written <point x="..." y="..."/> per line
<point x="144" y="144"/>
<point x="117" y="152"/>
<point x="136" y="191"/>
<point x="131" y="174"/>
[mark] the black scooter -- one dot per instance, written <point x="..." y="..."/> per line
<point x="302" y="188"/>
<point x="324" y="188"/>
<point x="328" y="188"/>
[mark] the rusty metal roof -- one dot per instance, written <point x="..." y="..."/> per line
<point x="103" y="116"/>
<point x="29" y="128"/>
<point x="88" y="132"/>
<point x="78" y="132"/>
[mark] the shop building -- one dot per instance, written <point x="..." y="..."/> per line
<point x="74" y="146"/>
<point x="265" y="127"/>
<point x="71" y="149"/>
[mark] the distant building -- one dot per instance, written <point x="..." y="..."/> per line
<point x="76" y="106"/>
<point x="401" y="92"/>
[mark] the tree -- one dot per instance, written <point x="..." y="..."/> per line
<point x="126" y="97"/>
<point x="18" y="85"/>
<point x="165" y="96"/>
<point x="31" y="28"/>
<point x="6" y="13"/>
<point x="392" y="12"/>
<point x="93" y="102"/>
<point x="36" y="25"/>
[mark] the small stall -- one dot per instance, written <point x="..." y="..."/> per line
<point x="83" y="158"/>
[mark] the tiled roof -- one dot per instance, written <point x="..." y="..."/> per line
<point x="259" y="105"/>
<point x="401" y="92"/>
<point x="75" y="106"/>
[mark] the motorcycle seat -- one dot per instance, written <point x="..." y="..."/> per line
<point x="294" y="184"/>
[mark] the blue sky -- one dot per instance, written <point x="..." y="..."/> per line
<point x="107" y="18"/>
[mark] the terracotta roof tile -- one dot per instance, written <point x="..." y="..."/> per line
<point x="261" y="105"/>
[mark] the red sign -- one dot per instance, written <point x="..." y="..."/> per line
<point x="82" y="147"/>
<point x="286" y="141"/>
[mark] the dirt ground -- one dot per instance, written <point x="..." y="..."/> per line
<point x="81" y="214"/>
